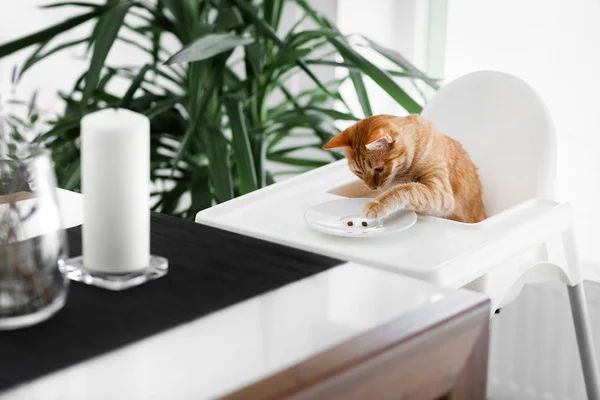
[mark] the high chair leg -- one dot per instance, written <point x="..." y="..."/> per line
<point x="585" y="341"/>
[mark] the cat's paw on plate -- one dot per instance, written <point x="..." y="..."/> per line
<point x="373" y="209"/>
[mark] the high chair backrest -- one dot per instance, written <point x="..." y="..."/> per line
<point x="506" y="129"/>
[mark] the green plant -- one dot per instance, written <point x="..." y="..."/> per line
<point x="217" y="114"/>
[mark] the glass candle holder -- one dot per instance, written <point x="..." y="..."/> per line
<point x="33" y="246"/>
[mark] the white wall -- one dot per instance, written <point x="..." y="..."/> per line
<point x="554" y="45"/>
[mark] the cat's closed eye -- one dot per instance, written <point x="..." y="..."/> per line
<point x="357" y="172"/>
<point x="379" y="169"/>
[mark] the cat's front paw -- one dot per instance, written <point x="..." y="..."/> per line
<point x="373" y="209"/>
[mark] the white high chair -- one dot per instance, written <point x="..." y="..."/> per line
<point x="528" y="237"/>
<point x="508" y="132"/>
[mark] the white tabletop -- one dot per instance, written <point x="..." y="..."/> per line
<point x="241" y="344"/>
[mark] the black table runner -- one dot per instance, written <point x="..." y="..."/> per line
<point x="209" y="269"/>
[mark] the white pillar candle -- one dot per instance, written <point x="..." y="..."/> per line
<point x="115" y="156"/>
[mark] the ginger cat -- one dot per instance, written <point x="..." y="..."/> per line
<point x="420" y="168"/>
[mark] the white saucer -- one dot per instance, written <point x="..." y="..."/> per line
<point x="333" y="217"/>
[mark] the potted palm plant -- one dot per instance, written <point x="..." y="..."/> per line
<point x="219" y="104"/>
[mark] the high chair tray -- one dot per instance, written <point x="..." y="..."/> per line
<point x="446" y="252"/>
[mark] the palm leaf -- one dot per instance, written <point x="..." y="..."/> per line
<point x="73" y="176"/>
<point x="162" y="106"/>
<point x="400" y="60"/>
<point x="241" y="145"/>
<point x="333" y="114"/>
<point x="185" y="15"/>
<point x="301" y="38"/>
<point x="255" y="56"/>
<point x="286" y="150"/>
<point x="198" y="107"/>
<point x="218" y="157"/>
<point x="48" y="33"/>
<point x="111" y="23"/>
<point x="301" y="162"/>
<point x="352" y="67"/>
<point x="208" y="46"/>
<point x="135" y="85"/>
<point x="228" y="18"/>
<point x="71" y="3"/>
<point x="37" y="57"/>
<point x="272" y="10"/>
<point x="383" y="79"/>
<point x="361" y="92"/>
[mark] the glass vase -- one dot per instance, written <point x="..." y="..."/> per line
<point x="33" y="245"/>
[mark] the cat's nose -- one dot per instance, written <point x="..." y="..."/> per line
<point x="373" y="187"/>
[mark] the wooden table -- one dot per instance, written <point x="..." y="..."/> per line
<point x="437" y="351"/>
<point x="349" y="332"/>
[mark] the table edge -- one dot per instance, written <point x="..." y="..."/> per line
<point x="458" y="312"/>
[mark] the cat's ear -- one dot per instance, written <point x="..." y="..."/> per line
<point x="379" y="139"/>
<point x="341" y="140"/>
